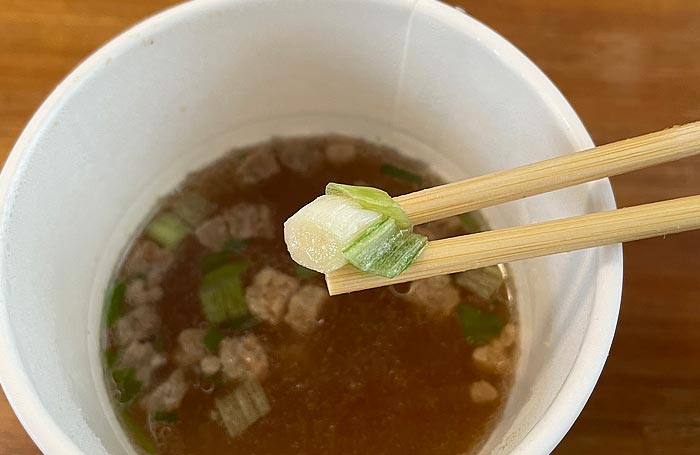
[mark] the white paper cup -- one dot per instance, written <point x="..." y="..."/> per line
<point x="180" y="89"/>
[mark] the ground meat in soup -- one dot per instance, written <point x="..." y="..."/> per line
<point x="217" y="343"/>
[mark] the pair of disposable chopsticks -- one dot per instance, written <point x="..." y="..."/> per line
<point x="465" y="252"/>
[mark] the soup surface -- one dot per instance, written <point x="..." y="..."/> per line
<point x="216" y="342"/>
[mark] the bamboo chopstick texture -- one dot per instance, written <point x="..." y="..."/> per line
<point x="466" y="252"/>
<point x="536" y="178"/>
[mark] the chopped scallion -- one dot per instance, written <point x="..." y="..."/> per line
<point x="385" y="249"/>
<point x="213" y="261"/>
<point x="317" y="234"/>
<point x="243" y="407"/>
<point x="128" y="385"/>
<point x="141" y="438"/>
<point x="212" y="339"/>
<point x="221" y="294"/>
<point x="115" y="302"/>
<point x="478" y="326"/>
<point x="401" y="174"/>
<point x="372" y="199"/>
<point x="483" y="282"/>
<point x="168" y="230"/>
<point x="403" y="252"/>
<point x="355" y="224"/>
<point x="111" y="357"/>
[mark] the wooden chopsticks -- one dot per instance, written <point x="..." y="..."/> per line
<point x="466" y="252"/>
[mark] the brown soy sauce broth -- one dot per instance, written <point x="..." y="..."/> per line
<point x="377" y="376"/>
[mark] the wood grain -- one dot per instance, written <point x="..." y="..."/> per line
<point x="607" y="160"/>
<point x="627" y="66"/>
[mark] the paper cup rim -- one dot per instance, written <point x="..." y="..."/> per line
<point x="579" y="384"/>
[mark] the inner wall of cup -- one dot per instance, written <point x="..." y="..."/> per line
<point x="173" y="95"/>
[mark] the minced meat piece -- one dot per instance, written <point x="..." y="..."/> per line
<point x="190" y="347"/>
<point x="492" y="358"/>
<point x="149" y="260"/>
<point x="169" y="394"/>
<point x="508" y="335"/>
<point x="256" y="166"/>
<point x="210" y="365"/>
<point x="243" y="357"/>
<point x="213" y="233"/>
<point x="139" y="292"/>
<point x="304" y="308"/>
<point x="340" y="153"/>
<point x="437" y="295"/>
<point x="242" y="221"/>
<point x="482" y="392"/>
<point x="138" y="324"/>
<point x="248" y="221"/>
<point x="269" y="293"/>
<point x="143" y="358"/>
<point x="299" y="157"/>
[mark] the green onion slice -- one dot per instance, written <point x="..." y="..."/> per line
<point x="168" y="230"/>
<point x="212" y="339"/>
<point x="221" y="294"/>
<point x="483" y="282"/>
<point x="115" y="302"/>
<point x="242" y="407"/>
<point x="385" y="250"/>
<point x="478" y="326"/>
<point x="140" y="437"/>
<point x="372" y="199"/>
<point x="111" y="356"/>
<point x="129" y="387"/>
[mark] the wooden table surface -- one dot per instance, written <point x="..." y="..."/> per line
<point x="627" y="66"/>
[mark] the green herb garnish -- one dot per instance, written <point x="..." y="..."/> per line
<point x="115" y="302"/>
<point x="478" y="326"/>
<point x="385" y="250"/>
<point x="213" y="261"/>
<point x="212" y="339"/>
<point x="128" y="385"/>
<point x="111" y="357"/>
<point x="401" y="174"/>
<point x="221" y="294"/>
<point x="371" y="199"/>
<point x="168" y="230"/>
<point x="483" y="282"/>
<point x="140" y="437"/>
